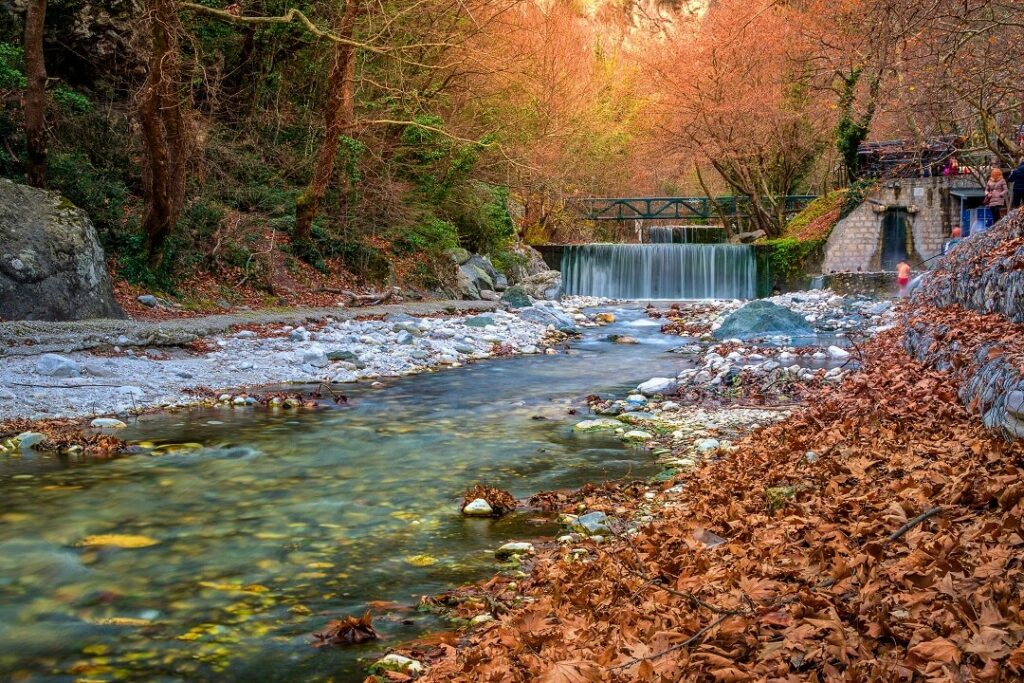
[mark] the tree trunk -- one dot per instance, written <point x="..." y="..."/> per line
<point x="338" y="116"/>
<point x="35" y="93"/>
<point x="164" y="143"/>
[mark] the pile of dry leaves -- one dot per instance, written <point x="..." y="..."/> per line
<point x="874" y="536"/>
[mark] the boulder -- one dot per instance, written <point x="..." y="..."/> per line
<point x="761" y="319"/>
<point x="657" y="385"/>
<point x="546" y="315"/>
<point x="52" y="266"/>
<point x="530" y="262"/>
<point x="748" y="237"/>
<point x="544" y="285"/>
<point x="516" y="297"/>
<point x="458" y="255"/>
<point x="53" y="365"/>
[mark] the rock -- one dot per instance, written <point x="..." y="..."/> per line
<point x="52" y="266"/>
<point x="500" y="283"/>
<point x="149" y="300"/>
<point x="346" y="356"/>
<point x="458" y="255"/>
<point x="299" y="334"/>
<point x="548" y="315"/>
<point x="748" y="237"/>
<point x="811" y="457"/>
<point x="592" y="523"/>
<point x="1015" y="403"/>
<point x="707" y="445"/>
<point x="657" y="385"/>
<point x="637" y="435"/>
<point x="595" y="425"/>
<point x="29" y="439"/>
<point x="463" y="348"/>
<point x="405" y="338"/>
<point x="516" y="548"/>
<point x="838" y="353"/>
<point x="398" y="664"/>
<point x="760" y="319"/>
<point x="53" y="365"/>
<point x="622" y="339"/>
<point x="530" y="263"/>
<point x="516" y="297"/>
<point x="478" y="321"/>
<point x="545" y="285"/>
<point x="489" y="295"/>
<point x="314" y="356"/>
<point x="478" y="508"/>
<point x="107" y="423"/>
<point x="480" y="619"/>
<point x="605" y="318"/>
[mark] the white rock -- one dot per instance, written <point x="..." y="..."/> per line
<point x="107" y="423"/>
<point x="707" y="445"/>
<point x="656" y="385"/>
<point x="599" y="423"/>
<point x="53" y="365"/>
<point x="399" y="664"/>
<point x="838" y="353"/>
<point x="638" y="435"/>
<point x="478" y="508"/>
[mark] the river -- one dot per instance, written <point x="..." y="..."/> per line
<point x="274" y="523"/>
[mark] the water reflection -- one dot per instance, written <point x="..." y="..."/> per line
<point x="274" y="523"/>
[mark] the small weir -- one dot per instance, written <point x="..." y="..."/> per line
<point x="685" y="234"/>
<point x="660" y="271"/>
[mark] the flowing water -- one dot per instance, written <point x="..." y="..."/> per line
<point x="274" y="523"/>
<point x="660" y="271"/>
<point x="685" y="234"/>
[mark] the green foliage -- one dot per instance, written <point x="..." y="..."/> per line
<point x="99" y="192"/>
<point x="432" y="236"/>
<point x="70" y="101"/>
<point x="856" y="193"/>
<point x="12" y="70"/>
<point x="815" y="210"/>
<point x="786" y="255"/>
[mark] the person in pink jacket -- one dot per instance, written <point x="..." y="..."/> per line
<point x="996" y="194"/>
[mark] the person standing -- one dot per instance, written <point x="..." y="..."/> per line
<point x="996" y="193"/>
<point x="1016" y="182"/>
<point x="903" y="276"/>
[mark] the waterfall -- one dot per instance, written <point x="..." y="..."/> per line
<point x="685" y="234"/>
<point x="660" y="271"/>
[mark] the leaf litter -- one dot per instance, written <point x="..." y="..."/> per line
<point x="898" y="555"/>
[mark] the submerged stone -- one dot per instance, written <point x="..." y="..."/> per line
<point x="478" y="508"/>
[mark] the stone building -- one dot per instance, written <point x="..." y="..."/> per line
<point x="906" y="218"/>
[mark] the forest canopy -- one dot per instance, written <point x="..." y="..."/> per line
<point x="372" y="137"/>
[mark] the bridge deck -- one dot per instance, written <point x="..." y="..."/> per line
<point x="673" y="208"/>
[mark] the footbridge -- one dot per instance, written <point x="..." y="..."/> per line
<point x="674" y="208"/>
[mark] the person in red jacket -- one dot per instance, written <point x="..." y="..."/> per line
<point x="903" y="276"/>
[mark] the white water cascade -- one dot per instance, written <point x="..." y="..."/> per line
<point x="660" y="271"/>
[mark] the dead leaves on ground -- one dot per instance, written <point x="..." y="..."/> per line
<point x="347" y="631"/>
<point x="813" y="590"/>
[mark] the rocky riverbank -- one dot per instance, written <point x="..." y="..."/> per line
<point x="241" y="363"/>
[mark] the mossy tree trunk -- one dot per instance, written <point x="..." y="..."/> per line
<point x="35" y="93"/>
<point x="164" y="141"/>
<point x="338" y="118"/>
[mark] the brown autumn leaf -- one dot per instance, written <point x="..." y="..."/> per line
<point x="571" y="671"/>
<point x="347" y="631"/>
<point x="936" y="650"/>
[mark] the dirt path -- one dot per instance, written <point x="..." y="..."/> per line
<point x="27" y="338"/>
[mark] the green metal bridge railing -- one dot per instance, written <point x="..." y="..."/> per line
<point x="674" y="208"/>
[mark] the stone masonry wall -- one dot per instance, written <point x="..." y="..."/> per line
<point x="855" y="244"/>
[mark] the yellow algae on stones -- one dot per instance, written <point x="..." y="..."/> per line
<point x="421" y="560"/>
<point x="118" y="541"/>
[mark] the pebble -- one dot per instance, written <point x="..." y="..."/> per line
<point x="107" y="423"/>
<point x="515" y="548"/>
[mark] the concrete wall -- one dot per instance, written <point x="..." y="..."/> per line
<point x="855" y="244"/>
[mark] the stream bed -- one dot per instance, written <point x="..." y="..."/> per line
<point x="273" y="523"/>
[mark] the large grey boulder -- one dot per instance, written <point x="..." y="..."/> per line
<point x="52" y="266"/>
<point x="760" y="319"/>
<point x="530" y="262"/>
<point x="544" y="285"/>
<point x="475" y="276"/>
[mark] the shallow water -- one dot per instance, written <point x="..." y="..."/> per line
<point x="279" y="522"/>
